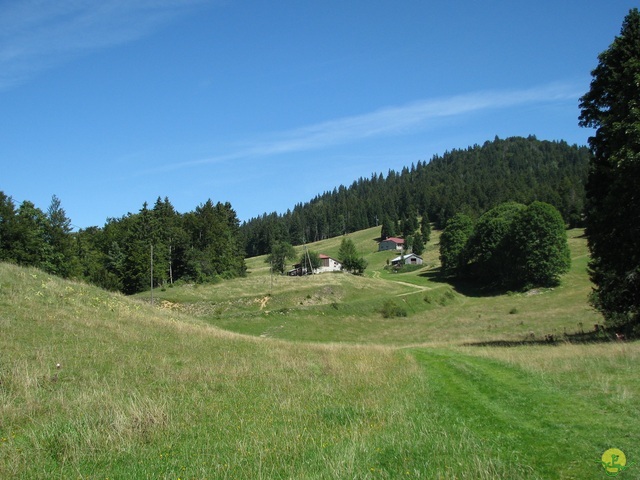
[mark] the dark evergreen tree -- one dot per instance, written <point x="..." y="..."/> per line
<point x="216" y="249"/>
<point x="93" y="259"/>
<point x="138" y="238"/>
<point x="63" y="260"/>
<point x="425" y="227"/>
<point x="171" y="242"/>
<point x="418" y="245"/>
<point x="410" y="222"/>
<point x="612" y="107"/>
<point x="388" y="229"/>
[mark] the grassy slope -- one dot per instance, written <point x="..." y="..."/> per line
<point x="345" y="308"/>
<point x="144" y="392"/>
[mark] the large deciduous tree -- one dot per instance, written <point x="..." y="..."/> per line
<point x="453" y="243"/>
<point x="537" y="251"/>
<point x="612" y="107"/>
<point x="310" y="261"/>
<point x="280" y="253"/>
<point x="487" y="249"/>
<point x="7" y="227"/>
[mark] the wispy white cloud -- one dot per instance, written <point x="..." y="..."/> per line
<point x="38" y="34"/>
<point x="390" y="121"/>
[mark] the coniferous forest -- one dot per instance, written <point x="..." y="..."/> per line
<point x="209" y="243"/>
<point x="470" y="181"/>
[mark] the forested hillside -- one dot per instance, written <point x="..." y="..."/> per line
<point x="470" y="181"/>
<point x="196" y="246"/>
<point x="210" y="243"/>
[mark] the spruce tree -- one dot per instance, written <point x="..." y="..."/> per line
<point x="612" y="107"/>
<point x="388" y="228"/>
<point x="418" y="245"/>
<point x="63" y="260"/>
<point x="425" y="227"/>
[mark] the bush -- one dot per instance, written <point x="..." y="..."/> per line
<point x="441" y="297"/>
<point x="391" y="309"/>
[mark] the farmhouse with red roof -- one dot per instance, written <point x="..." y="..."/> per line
<point x="391" y="243"/>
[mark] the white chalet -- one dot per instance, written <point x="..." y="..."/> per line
<point x="328" y="264"/>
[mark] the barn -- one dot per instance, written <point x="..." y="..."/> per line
<point x="410" y="259"/>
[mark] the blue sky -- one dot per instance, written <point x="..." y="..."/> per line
<point x="266" y="104"/>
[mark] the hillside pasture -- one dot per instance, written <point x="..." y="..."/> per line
<point x="339" y="307"/>
<point x="305" y="378"/>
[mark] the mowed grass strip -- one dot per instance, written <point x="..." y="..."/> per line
<point x="539" y="418"/>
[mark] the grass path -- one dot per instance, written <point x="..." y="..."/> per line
<point x="419" y="288"/>
<point x="546" y="429"/>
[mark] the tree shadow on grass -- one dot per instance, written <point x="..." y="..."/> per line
<point x="577" y="338"/>
<point x="468" y="288"/>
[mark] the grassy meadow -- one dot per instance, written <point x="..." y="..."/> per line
<point x="346" y="308"/>
<point x="303" y="377"/>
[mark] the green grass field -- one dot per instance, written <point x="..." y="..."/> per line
<point x="279" y="377"/>
<point x="346" y="308"/>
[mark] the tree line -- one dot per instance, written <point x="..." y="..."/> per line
<point x="469" y="181"/>
<point x="198" y="246"/>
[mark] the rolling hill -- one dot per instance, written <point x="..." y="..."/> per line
<point x="312" y="382"/>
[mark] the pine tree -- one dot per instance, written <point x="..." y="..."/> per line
<point x="612" y="107"/>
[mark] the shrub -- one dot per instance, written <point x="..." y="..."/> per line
<point x="391" y="309"/>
